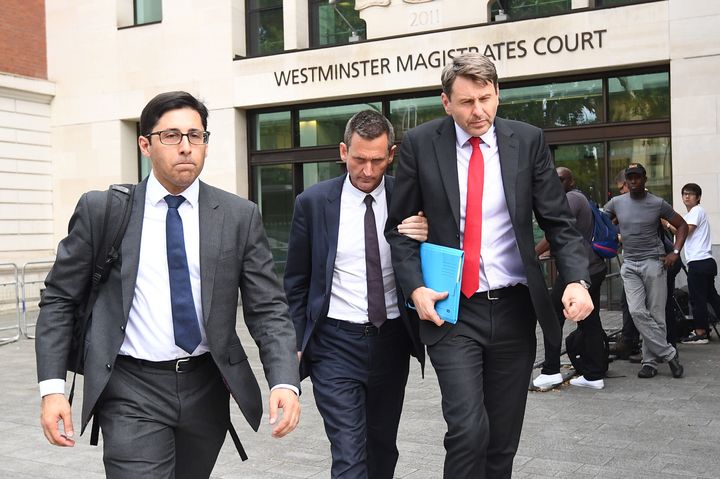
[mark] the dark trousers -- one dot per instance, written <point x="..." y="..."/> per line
<point x="701" y="289"/>
<point x="162" y="424"/>
<point x="591" y="327"/>
<point x="483" y="366"/>
<point x="630" y="334"/>
<point x="359" y="375"/>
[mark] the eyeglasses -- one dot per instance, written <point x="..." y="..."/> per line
<point x="174" y="137"/>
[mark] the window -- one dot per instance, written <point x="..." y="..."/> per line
<point x="265" y="27"/>
<point x="653" y="154"/>
<point x="554" y="105"/>
<point x="335" y="24"/>
<point x="523" y="9"/>
<point x="326" y="126"/>
<point x="147" y="11"/>
<point x="408" y="113"/>
<point x="274" y="131"/>
<point x="639" y="97"/>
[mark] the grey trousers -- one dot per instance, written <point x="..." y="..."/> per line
<point x="645" y="286"/>
<point x="160" y="424"/>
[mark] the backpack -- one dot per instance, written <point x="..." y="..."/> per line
<point x="604" y="239"/>
<point x="575" y="347"/>
<point x="105" y="253"/>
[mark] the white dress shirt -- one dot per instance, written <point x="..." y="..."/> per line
<point x="500" y="261"/>
<point x="348" y="295"/>
<point x="149" y="333"/>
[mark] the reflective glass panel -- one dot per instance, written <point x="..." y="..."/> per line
<point x="273" y="191"/>
<point x="273" y="131"/>
<point x="653" y="153"/>
<point x="411" y="112"/>
<point x="321" y="171"/>
<point x="587" y="162"/>
<point x="639" y="97"/>
<point x="148" y="11"/>
<point x="555" y="104"/>
<point x="326" y="126"/>
<point x="335" y="24"/>
<point x="265" y="30"/>
<point x="521" y="9"/>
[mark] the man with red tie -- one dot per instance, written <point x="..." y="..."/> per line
<point x="479" y="179"/>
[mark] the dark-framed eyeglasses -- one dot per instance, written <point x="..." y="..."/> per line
<point x="174" y="136"/>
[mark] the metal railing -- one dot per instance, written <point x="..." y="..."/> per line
<point x="31" y="267"/>
<point x="13" y="282"/>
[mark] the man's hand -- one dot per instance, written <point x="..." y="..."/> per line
<point x="576" y="302"/>
<point x="670" y="259"/>
<point x="425" y="299"/>
<point x="288" y="401"/>
<point x="55" y="408"/>
<point x="415" y="227"/>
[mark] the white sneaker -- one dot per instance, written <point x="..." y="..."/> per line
<point x="547" y="381"/>
<point x="584" y="383"/>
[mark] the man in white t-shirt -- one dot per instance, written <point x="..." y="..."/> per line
<point x="701" y="265"/>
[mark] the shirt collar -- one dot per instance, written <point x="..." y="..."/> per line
<point x="156" y="192"/>
<point x="360" y="195"/>
<point x="488" y="138"/>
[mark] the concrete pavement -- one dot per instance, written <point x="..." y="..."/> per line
<point x="658" y="428"/>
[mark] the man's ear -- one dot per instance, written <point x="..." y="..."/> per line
<point x="343" y="152"/>
<point x="144" y="145"/>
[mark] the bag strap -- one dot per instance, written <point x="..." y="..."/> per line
<point x="105" y="253"/>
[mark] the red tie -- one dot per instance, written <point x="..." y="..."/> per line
<point x="473" y="220"/>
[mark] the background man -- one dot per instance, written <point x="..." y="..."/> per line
<point x="594" y="356"/>
<point x="701" y="266"/>
<point x="353" y="332"/>
<point x="478" y="179"/>
<point x="160" y="358"/>
<point x="644" y="267"/>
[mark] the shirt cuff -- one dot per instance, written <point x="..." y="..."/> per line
<point x="52" y="386"/>
<point x="286" y="386"/>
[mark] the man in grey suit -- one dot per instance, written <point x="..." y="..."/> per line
<point x="162" y="350"/>
<point x="479" y="179"/>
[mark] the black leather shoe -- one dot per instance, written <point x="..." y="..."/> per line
<point x="676" y="368"/>
<point x="647" y="372"/>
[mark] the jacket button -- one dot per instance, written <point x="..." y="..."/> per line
<point x="122" y="328"/>
<point x="107" y="366"/>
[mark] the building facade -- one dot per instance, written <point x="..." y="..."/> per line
<point x="26" y="212"/>
<point x="610" y="82"/>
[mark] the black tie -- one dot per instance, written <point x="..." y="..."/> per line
<point x="185" y="323"/>
<point x="377" y="314"/>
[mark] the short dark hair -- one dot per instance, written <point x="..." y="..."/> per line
<point x="163" y="103"/>
<point x="369" y="124"/>
<point x="692" y="188"/>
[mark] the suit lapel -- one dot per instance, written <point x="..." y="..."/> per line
<point x="508" y="151"/>
<point x="446" y="156"/>
<point x="332" y="226"/>
<point x="130" y="247"/>
<point x="211" y="224"/>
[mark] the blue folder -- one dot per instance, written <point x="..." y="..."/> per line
<point x="442" y="271"/>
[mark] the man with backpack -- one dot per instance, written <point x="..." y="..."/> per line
<point x="644" y="270"/>
<point x="592" y="336"/>
<point x="162" y="355"/>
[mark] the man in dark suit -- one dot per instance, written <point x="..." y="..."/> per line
<point x="353" y="333"/>
<point x="162" y="350"/>
<point x="479" y="179"/>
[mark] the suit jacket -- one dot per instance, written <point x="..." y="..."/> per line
<point x="311" y="261"/>
<point x="427" y="180"/>
<point x="234" y="255"/>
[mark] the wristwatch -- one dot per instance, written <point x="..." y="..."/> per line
<point x="583" y="283"/>
<point x="676" y="251"/>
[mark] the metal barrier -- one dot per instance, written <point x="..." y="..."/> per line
<point x="35" y="267"/>
<point x="16" y="327"/>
